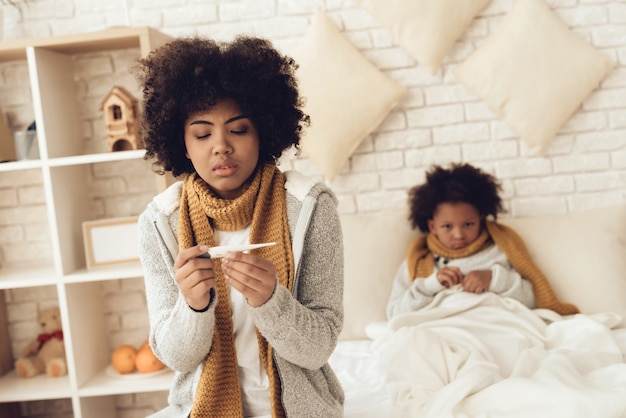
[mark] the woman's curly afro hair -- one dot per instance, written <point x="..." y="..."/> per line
<point x="461" y="183"/>
<point x="190" y="75"/>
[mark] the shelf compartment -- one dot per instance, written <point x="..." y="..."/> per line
<point x="97" y="158"/>
<point x="56" y="108"/>
<point x="87" y="344"/>
<point x="20" y="165"/>
<point x="125" y="271"/>
<point x="114" y="38"/>
<point x="69" y="208"/>
<point x="16" y="106"/>
<point x="102" y="384"/>
<point x="18" y="277"/>
<point x="14" y="388"/>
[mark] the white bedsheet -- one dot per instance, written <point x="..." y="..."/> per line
<point x="469" y="355"/>
<point x="359" y="369"/>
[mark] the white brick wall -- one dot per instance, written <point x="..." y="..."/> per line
<point x="439" y="122"/>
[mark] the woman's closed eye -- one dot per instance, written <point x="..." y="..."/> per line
<point x="240" y="131"/>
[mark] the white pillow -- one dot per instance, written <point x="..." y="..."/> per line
<point x="427" y="29"/>
<point x="346" y="96"/>
<point x="582" y="254"/>
<point x="534" y="72"/>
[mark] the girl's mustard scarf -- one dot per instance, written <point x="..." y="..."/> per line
<point x="421" y="261"/>
<point x="262" y="206"/>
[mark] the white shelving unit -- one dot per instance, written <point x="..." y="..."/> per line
<point x="62" y="165"/>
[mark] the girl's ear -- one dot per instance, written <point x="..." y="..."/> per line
<point x="431" y="225"/>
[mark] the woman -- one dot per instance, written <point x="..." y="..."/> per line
<point x="249" y="334"/>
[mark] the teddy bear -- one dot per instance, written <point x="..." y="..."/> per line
<point x="46" y="353"/>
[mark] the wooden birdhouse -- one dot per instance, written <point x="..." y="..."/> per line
<point x="121" y="118"/>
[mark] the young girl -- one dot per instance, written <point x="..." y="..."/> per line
<point x="461" y="247"/>
<point x="250" y="334"/>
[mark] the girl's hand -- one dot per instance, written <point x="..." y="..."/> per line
<point x="449" y="276"/>
<point x="254" y="277"/>
<point x="477" y="281"/>
<point x="195" y="276"/>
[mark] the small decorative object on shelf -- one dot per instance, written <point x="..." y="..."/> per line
<point x="7" y="146"/>
<point x="46" y="353"/>
<point x="121" y="118"/>
<point x="110" y="241"/>
<point x="26" y="147"/>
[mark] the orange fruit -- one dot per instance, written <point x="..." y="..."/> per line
<point x="145" y="344"/>
<point x="123" y="358"/>
<point x="146" y="361"/>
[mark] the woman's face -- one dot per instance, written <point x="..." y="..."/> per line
<point x="456" y="225"/>
<point x="223" y="146"/>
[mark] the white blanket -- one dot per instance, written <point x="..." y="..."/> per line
<point x="468" y="355"/>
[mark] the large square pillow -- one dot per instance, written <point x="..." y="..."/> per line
<point x="427" y="29"/>
<point x="583" y="255"/>
<point x="375" y="244"/>
<point x="534" y="72"/>
<point x="345" y="95"/>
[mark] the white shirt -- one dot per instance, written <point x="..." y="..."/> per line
<point x="253" y="380"/>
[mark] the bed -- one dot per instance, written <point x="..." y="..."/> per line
<point x="469" y="355"/>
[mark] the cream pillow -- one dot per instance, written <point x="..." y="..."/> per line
<point x="346" y="96"/>
<point x="427" y="29"/>
<point x="375" y="245"/>
<point x="582" y="254"/>
<point x="534" y="72"/>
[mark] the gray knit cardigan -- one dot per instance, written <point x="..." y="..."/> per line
<point x="302" y="326"/>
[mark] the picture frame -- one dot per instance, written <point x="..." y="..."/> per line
<point x="110" y="242"/>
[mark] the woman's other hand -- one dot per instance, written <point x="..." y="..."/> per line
<point x="195" y="276"/>
<point x="254" y="277"/>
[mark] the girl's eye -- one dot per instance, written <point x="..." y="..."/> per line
<point x="203" y="136"/>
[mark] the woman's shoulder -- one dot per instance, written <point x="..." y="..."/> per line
<point x="166" y="202"/>
<point x="300" y="186"/>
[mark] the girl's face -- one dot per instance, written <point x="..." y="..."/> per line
<point x="456" y="225"/>
<point x="223" y="146"/>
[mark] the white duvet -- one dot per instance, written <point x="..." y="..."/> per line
<point x="468" y="355"/>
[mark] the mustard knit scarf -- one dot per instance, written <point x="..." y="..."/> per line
<point x="421" y="261"/>
<point x="262" y="206"/>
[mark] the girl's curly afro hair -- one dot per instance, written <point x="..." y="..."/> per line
<point x="461" y="183"/>
<point x="189" y="75"/>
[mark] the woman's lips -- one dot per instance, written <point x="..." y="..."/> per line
<point x="225" y="168"/>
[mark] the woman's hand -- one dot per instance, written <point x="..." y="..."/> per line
<point x="195" y="276"/>
<point x="477" y="281"/>
<point x="449" y="276"/>
<point x="254" y="277"/>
